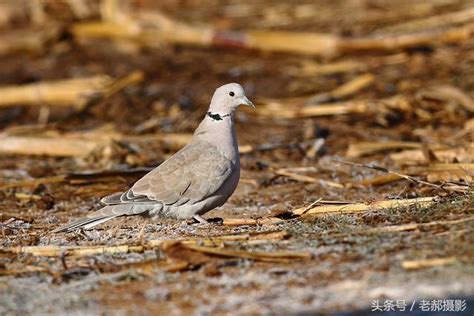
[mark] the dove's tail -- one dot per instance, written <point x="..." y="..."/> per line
<point x="103" y="215"/>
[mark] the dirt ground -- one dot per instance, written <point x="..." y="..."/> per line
<point x="331" y="262"/>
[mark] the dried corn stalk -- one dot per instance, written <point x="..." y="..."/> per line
<point x="428" y="263"/>
<point x="367" y="148"/>
<point x="464" y="154"/>
<point x="432" y="22"/>
<point x="296" y="108"/>
<point x="70" y="92"/>
<point x="444" y="172"/>
<point x="76" y="144"/>
<point x="362" y="207"/>
<point x="154" y="28"/>
<point x="78" y="251"/>
<point x="345" y="90"/>
<point x="46" y="146"/>
<point x="32" y="41"/>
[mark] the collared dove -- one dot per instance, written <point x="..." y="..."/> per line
<point x="198" y="178"/>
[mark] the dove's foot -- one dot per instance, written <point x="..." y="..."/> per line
<point x="197" y="221"/>
<point x="201" y="222"/>
<point x="200" y="219"/>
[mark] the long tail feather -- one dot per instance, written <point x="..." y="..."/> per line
<point x="87" y="223"/>
<point x="103" y="215"/>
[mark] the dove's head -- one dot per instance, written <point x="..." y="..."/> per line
<point x="227" y="98"/>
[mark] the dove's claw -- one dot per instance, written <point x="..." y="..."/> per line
<point x="200" y="219"/>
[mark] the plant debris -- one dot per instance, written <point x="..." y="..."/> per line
<point x="357" y="164"/>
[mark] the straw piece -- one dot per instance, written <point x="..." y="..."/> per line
<point x="293" y="42"/>
<point x="435" y="21"/>
<point x="32" y="182"/>
<point x="79" y="8"/>
<point x="405" y="41"/>
<point x="311" y="68"/>
<point x="251" y="221"/>
<point x="442" y="172"/>
<point x="27" y="40"/>
<point x="349" y="88"/>
<point x="81" y="144"/>
<point x="463" y="154"/>
<point x="285" y="109"/>
<point x="428" y="263"/>
<point x="381" y="180"/>
<point x="367" y="148"/>
<point x="275" y="256"/>
<point x="44" y="146"/>
<point x="53" y="251"/>
<point x="26" y="270"/>
<point x="307" y="179"/>
<point x="295" y="107"/>
<point x="362" y="207"/>
<point x="413" y="226"/>
<point x="356" y="84"/>
<point x="151" y="29"/>
<point x="70" y="92"/>
<point x="385" y="170"/>
<point x="449" y="94"/>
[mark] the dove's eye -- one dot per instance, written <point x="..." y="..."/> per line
<point x="231" y="93"/>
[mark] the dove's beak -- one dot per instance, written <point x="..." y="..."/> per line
<point x="246" y="101"/>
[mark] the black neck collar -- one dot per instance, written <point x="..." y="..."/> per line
<point x="216" y="116"/>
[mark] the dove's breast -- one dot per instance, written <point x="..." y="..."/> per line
<point x="221" y="134"/>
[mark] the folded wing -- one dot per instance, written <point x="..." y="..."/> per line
<point x="194" y="173"/>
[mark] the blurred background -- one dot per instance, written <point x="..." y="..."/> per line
<point x="360" y="103"/>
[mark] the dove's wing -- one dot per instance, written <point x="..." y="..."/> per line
<point x="194" y="173"/>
